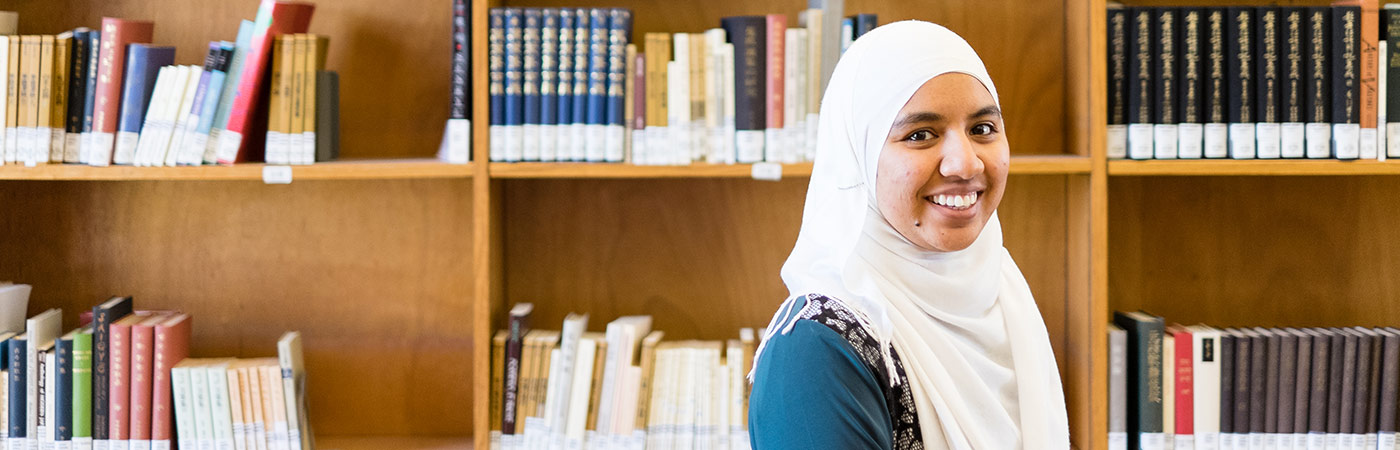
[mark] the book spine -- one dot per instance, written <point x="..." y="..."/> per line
<point x="1351" y="356"/>
<point x="638" y="92"/>
<point x="277" y="113"/>
<point x="116" y="34"/>
<point x="102" y="319"/>
<point x="1317" y="102"/>
<point x="18" y="406"/>
<point x="58" y="111"/>
<point x="1184" y="406"/>
<point x="776" y="26"/>
<point x="658" y="53"/>
<point x="496" y="83"/>
<point x="1346" y="82"/>
<point x="1216" y="99"/>
<point x="1287" y="380"/>
<point x="1335" y="381"/>
<point x="172" y="345"/>
<point x="865" y="23"/>
<point x="530" y="83"/>
<point x="549" y="82"/>
<point x="1390" y="23"/>
<point x="510" y="400"/>
<point x="203" y="414"/>
<point x="1390" y="383"/>
<point x="749" y="36"/>
<point x="1240" y="73"/>
<point x="77" y="94"/>
<point x="1267" y="58"/>
<point x="1190" y="127"/>
<point x="142" y="66"/>
<point x="221" y="421"/>
<point x="85" y="154"/>
<point x="42" y="430"/>
<point x="8" y="102"/>
<point x="63" y="390"/>
<point x="1318" y="388"/>
<point x="1141" y="84"/>
<point x="327" y="116"/>
<point x="42" y="125"/>
<point x="1360" y="415"/>
<point x="241" y="47"/>
<point x="460" y="54"/>
<point x="565" y="78"/>
<point x="598" y="70"/>
<point x="1302" y="389"/>
<point x="1117" y="389"/>
<point x="1294" y="66"/>
<point x="514" y="79"/>
<point x="243" y="138"/>
<point x="619" y="34"/>
<point x="578" y="130"/>
<point x="1258" y="394"/>
<point x="1369" y="82"/>
<point x="82" y="387"/>
<point x="188" y="153"/>
<point x="1227" y="389"/>
<point x="1166" y="92"/>
<point x="119" y="385"/>
<point x="199" y="140"/>
<point x="184" y="407"/>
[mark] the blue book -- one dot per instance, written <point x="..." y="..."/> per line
<point x="530" y="86"/>
<point x="596" y="116"/>
<point x="143" y="63"/>
<point x="18" y="356"/>
<point x="515" y="74"/>
<point x="63" y="392"/>
<point x="619" y="34"/>
<point x="566" y="76"/>
<point x="582" y="40"/>
<point x="187" y="154"/>
<point x="216" y="84"/>
<point x="549" y="73"/>
<point x="241" y="47"/>
<point x="496" y="52"/>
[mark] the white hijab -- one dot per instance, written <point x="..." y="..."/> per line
<point x="969" y="334"/>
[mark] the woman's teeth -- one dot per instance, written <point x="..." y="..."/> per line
<point x="955" y="201"/>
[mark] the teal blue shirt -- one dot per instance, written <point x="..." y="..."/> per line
<point x="811" y="391"/>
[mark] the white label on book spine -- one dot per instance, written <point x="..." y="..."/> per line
<point x="277" y="174"/>
<point x="1217" y="140"/>
<point x="1332" y="441"/>
<point x="57" y="139"/>
<point x="1152" y="441"/>
<point x="1140" y="136"/>
<point x="11" y="144"/>
<point x="1227" y="441"/>
<point x="1164" y="141"/>
<point x="82" y="443"/>
<point x="1184" y="442"/>
<point x="126" y="147"/>
<point x="1346" y="140"/>
<point x="578" y="145"/>
<point x="1267" y="141"/>
<point x="1270" y="441"/>
<point x="229" y="141"/>
<point x="515" y="142"/>
<point x="46" y="444"/>
<point x="102" y="149"/>
<point x="497" y="134"/>
<point x="1117" y="440"/>
<point x="160" y="445"/>
<point x="767" y="171"/>
<point x="1392" y="140"/>
<point x="1208" y="441"/>
<point x="596" y="140"/>
<point x="1368" y="143"/>
<point x="1316" y="441"/>
<point x="613" y="143"/>
<point x="1190" y="139"/>
<point x="530" y="147"/>
<point x="749" y="145"/>
<point x="222" y="444"/>
<point x="1385" y="441"/>
<point x="198" y="141"/>
<point x="63" y="445"/>
<point x="1242" y="141"/>
<point x="1292" y="140"/>
<point x="135" y="444"/>
<point x="459" y="148"/>
<point x="71" y="147"/>
<point x="101" y="444"/>
<point x="1318" y="140"/>
<point x="772" y="144"/>
<point x="549" y="142"/>
<point x="639" y="147"/>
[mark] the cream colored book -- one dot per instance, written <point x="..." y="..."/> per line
<point x="812" y="20"/>
<point x="678" y="101"/>
<point x="272" y="391"/>
<point x="5" y="92"/>
<point x="576" y="418"/>
<point x="255" y="404"/>
<point x="644" y="379"/>
<point x="12" y="102"/>
<point x="315" y="62"/>
<point x="714" y="96"/>
<point x="43" y="126"/>
<point x="9" y="22"/>
<point x="294" y="75"/>
<point x="58" y="95"/>
<point x="595" y="393"/>
<point x="171" y="157"/>
<point x="153" y="144"/>
<point x="293" y="372"/>
<point x="203" y="409"/>
<point x="498" y="381"/>
<point x="237" y="420"/>
<point x="129" y="143"/>
<point x="698" y="136"/>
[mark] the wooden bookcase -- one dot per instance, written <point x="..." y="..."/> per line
<point x="397" y="268"/>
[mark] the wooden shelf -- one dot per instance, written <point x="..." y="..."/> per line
<point x="1026" y="165"/>
<point x="1256" y="167"/>
<point x="339" y="170"/>
<point x="394" y="442"/>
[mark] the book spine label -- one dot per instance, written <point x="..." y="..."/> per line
<point x="619" y="33"/>
<point x="549" y="82"/>
<point x="1346" y="85"/>
<point x="496" y="64"/>
<point x="515" y="84"/>
<point x="598" y="55"/>
<point x="530" y="84"/>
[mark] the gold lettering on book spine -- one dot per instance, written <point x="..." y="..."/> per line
<point x="513" y="58"/>
<point x="1270" y="66"/>
<point x="752" y="84"/>
<point x="549" y="54"/>
<point x="497" y="56"/>
<point x="1246" y="56"/>
<point x="566" y="55"/>
<point x="1144" y="63"/>
<point x="1216" y="110"/>
<point x="1295" y="62"/>
<point x="1318" y="26"/>
<point x="532" y="54"/>
<point x="1168" y="74"/>
<point x="109" y="33"/>
<point x="1120" y="76"/>
<point x="1191" y="70"/>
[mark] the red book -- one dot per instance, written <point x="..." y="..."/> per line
<point x="777" y="30"/>
<point x="247" y="122"/>
<point x="143" y="347"/>
<point x="172" y="336"/>
<point x="111" y="66"/>
<point x="1184" y="393"/>
<point x="119" y="378"/>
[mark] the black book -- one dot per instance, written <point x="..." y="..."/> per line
<point x="1191" y="83"/>
<point x="94" y="46"/>
<point x="1144" y="373"/>
<point x="1241" y="80"/>
<point x="1268" y="56"/>
<point x="1319" y="396"/>
<point x="1165" y="60"/>
<point x="1294" y="64"/>
<point x="1368" y="380"/>
<point x="749" y="34"/>
<point x="1244" y="344"/>
<point x="1390" y="380"/>
<point x="1227" y="381"/>
<point x="461" y="57"/>
<point x="63" y="389"/>
<point x="1303" y="385"/>
<point x="77" y="82"/>
<point x="18" y="356"/>
<point x="1141" y="81"/>
<point x="102" y="318"/>
<point x="1390" y="32"/>
<point x="1350" y="358"/>
<point x="1117" y="65"/>
<point x="1258" y="383"/>
<point x="1215" y="98"/>
<point x="1317" y="79"/>
<point x="327" y="116"/>
<point x="1287" y="379"/>
<point x="1346" y="81"/>
<point x="519" y="325"/>
<point x="1334" y="381"/>
<point x="1272" y="378"/>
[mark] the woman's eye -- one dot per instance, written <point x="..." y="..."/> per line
<point x="982" y="129"/>
<point x="921" y="135"/>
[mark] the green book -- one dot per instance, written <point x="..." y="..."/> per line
<point x="82" y="383"/>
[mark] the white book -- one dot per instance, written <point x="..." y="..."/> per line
<point x="1205" y="388"/>
<point x="1140" y="140"/>
<point x="1164" y="141"/>
<point x="220" y="412"/>
<point x="47" y="396"/>
<point x="203" y="410"/>
<point x="623" y="336"/>
<point x="289" y="357"/>
<point x="579" y="392"/>
<point x="799" y="127"/>
<point x="788" y="152"/>
<point x="184" y="407"/>
<point x="1168" y="389"/>
<point x="177" y="138"/>
<point x="42" y="330"/>
<point x="726" y="56"/>
<point x="129" y="142"/>
<point x="559" y="401"/>
<point x="4" y="101"/>
<point x="714" y="95"/>
<point x="678" y="105"/>
<point x="1242" y="141"/>
<point x="1346" y="140"/>
<point x="152" y="152"/>
<point x="1268" y="140"/>
<point x="625" y="413"/>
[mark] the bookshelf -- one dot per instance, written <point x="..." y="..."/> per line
<point x="337" y="170"/>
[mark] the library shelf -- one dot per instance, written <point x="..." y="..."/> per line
<point x="366" y="169"/>
<point x="1020" y="165"/>
<point x="1253" y="167"/>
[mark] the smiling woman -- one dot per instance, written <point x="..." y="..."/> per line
<point x="907" y="325"/>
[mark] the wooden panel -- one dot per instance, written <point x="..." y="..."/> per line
<point x="1020" y="164"/>
<point x="1253" y="167"/>
<point x="393" y="57"/>
<point x="1086" y="390"/>
<point x="397" y="443"/>
<point x="374" y="275"/>
<point x="1021" y="42"/>
<point x="338" y="170"/>
<point x="1269" y="251"/>
<point x="702" y="256"/>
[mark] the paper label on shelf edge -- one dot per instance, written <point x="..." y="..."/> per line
<point x="277" y="174"/>
<point x="767" y="171"/>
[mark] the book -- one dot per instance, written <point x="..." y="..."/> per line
<point x="82" y="388"/>
<point x="1390" y="27"/>
<point x="63" y="390"/>
<point x="197" y="140"/>
<point x="241" y="47"/>
<point x="519" y="326"/>
<point x="619" y="34"/>
<point x="833" y="11"/>
<point x="1267" y="61"/>
<point x="168" y="155"/>
<point x="865" y="23"/>
<point x="279" y="90"/>
<point x="633" y="102"/>
<point x="58" y="95"/>
<point x="595" y="137"/>
<point x="238" y="419"/>
<point x="1144" y="372"/>
<point x="160" y="119"/>
<point x="812" y="19"/>
<point x="220" y="409"/>
<point x="171" y="336"/>
<point x="18" y="392"/>
<point x="1205" y="386"/>
<point x="244" y="135"/>
<point x="116" y="35"/>
<point x="496" y="66"/>
<point x="45" y="389"/>
<point x="564" y="89"/>
<point x="103" y="316"/>
<point x="775" y="49"/>
<point x="120" y="383"/>
<point x="1346" y="82"/>
<point x="1191" y="83"/>
<point x="1292" y="131"/>
<point x="6" y="100"/>
<point x="514" y="133"/>
<point x="498" y="384"/>
<point x="1287" y="384"/>
<point x="1368" y="57"/>
<point x="85" y="153"/>
<point x="1141" y="82"/>
<point x="1317" y="101"/>
<point x="748" y="35"/>
<point x="459" y="110"/>
<point x="1240" y="74"/>
<point x="189" y="149"/>
<point x="77" y="93"/>
<point x="1169" y="390"/>
<point x="1183" y="385"/>
<point x="678" y="101"/>
<point x="327" y="116"/>
<point x="293" y="372"/>
<point x="1166" y="93"/>
<point x="1117" y="387"/>
<point x="657" y="54"/>
<point x="578" y="131"/>
<point x="143" y="64"/>
<point x="142" y="364"/>
<point x="530" y="83"/>
<point x="549" y="84"/>
<point x="1389" y="388"/>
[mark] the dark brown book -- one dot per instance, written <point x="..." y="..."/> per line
<point x="1373" y="380"/>
<point x="1258" y="381"/>
<point x="1244" y="345"/>
<point x="1272" y="359"/>
<point x="1303" y="386"/>
<point x="1361" y="403"/>
<point x="1287" y="378"/>
<point x="1227" y="380"/>
<point x="1334" y="379"/>
<point x="1350" y="345"/>
<point x="1390" y="379"/>
<point x="1318" y="394"/>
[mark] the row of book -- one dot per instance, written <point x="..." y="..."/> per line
<point x="625" y="388"/>
<point x="1250" y="82"/>
<point x="122" y="380"/>
<point x="567" y="84"/>
<point x="1188" y="387"/>
<point x="108" y="96"/>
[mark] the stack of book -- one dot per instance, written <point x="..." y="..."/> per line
<point x="122" y="380"/>
<point x="624" y="388"/>
<point x="108" y="96"/>
<point x="1257" y="388"/>
<point x="1250" y="82"/>
<point x="566" y="84"/>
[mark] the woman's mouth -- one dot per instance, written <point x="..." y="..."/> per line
<point x="956" y="202"/>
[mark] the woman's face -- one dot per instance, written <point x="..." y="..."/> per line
<point x="943" y="169"/>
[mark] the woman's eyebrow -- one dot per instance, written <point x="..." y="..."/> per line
<point x="918" y="117"/>
<point x="989" y="110"/>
